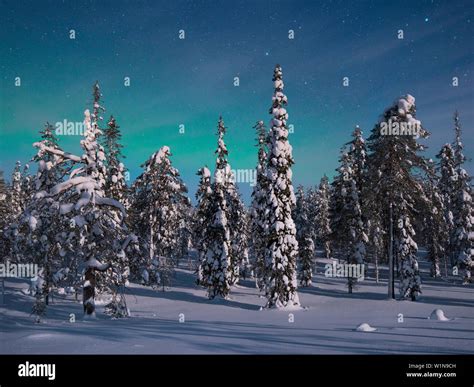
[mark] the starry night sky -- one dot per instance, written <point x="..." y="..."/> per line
<point x="191" y="81"/>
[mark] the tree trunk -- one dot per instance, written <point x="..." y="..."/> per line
<point x="88" y="294"/>
<point x="377" y="268"/>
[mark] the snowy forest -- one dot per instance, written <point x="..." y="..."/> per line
<point x="92" y="234"/>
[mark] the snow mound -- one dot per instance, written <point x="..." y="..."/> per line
<point x="438" y="315"/>
<point x="364" y="327"/>
<point x="287" y="308"/>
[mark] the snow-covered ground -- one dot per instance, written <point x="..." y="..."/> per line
<point x="326" y="325"/>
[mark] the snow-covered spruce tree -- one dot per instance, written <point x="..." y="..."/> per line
<point x="115" y="279"/>
<point x="95" y="231"/>
<point x="238" y="231"/>
<point x="376" y="234"/>
<point x="203" y="218"/>
<point x="185" y="214"/>
<point x="4" y="208"/>
<point x="458" y="146"/>
<point x="358" y="154"/>
<point x="40" y="222"/>
<point x="49" y="175"/>
<point x="370" y="217"/>
<point x="406" y="249"/>
<point x="338" y="233"/>
<point x="258" y="210"/>
<point x="20" y="189"/>
<point x="18" y="197"/>
<point x="463" y="215"/>
<point x="218" y="272"/>
<point x="348" y="229"/>
<point x="115" y="185"/>
<point x="436" y="228"/>
<point x="446" y="186"/>
<point x="4" y="216"/>
<point x="304" y="238"/>
<point x="462" y="210"/>
<point x="393" y="160"/>
<point x="109" y="232"/>
<point x="15" y="191"/>
<point x="312" y="202"/>
<point x="236" y="212"/>
<point x="282" y="247"/>
<point x="239" y="235"/>
<point x="322" y="216"/>
<point x="16" y="194"/>
<point x="158" y="194"/>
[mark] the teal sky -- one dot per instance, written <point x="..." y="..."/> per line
<point x="190" y="81"/>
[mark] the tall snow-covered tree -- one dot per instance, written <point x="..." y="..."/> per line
<point x="462" y="210"/>
<point x="376" y="235"/>
<point x="4" y="216"/>
<point x="115" y="185"/>
<point x="239" y="235"/>
<point x="3" y="200"/>
<point x="185" y="230"/>
<point x="337" y="221"/>
<point x="347" y="224"/>
<point x="312" y="202"/>
<point x="158" y="194"/>
<point x="446" y="186"/>
<point x="282" y="247"/>
<point x="111" y="279"/>
<point x="40" y="223"/>
<point x="458" y="146"/>
<point x="258" y="210"/>
<point x="236" y="212"/>
<point x="218" y="270"/>
<point x="358" y="154"/>
<point x="463" y="215"/>
<point x="203" y="218"/>
<point x="370" y="217"/>
<point x="18" y="198"/>
<point x="436" y="227"/>
<point x="322" y="215"/>
<point x="93" y="225"/>
<point x="393" y="163"/>
<point x="304" y="238"/>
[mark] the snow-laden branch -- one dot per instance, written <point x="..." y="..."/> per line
<point x="110" y="202"/>
<point x="93" y="263"/>
<point x="58" y="188"/>
<point x="58" y="152"/>
<point x="75" y="172"/>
